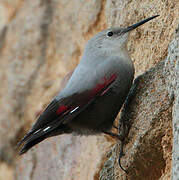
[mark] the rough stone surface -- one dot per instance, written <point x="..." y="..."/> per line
<point x="172" y="72"/>
<point x="149" y="143"/>
<point x="40" y="42"/>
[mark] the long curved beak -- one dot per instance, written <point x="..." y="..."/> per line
<point x="130" y="28"/>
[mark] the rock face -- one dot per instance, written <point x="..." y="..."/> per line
<point x="149" y="143"/>
<point x="40" y="42"/>
<point x="148" y="149"/>
<point x="172" y="80"/>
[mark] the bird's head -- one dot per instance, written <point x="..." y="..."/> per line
<point x="112" y="40"/>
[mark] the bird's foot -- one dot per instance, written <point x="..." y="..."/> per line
<point x="113" y="135"/>
<point x="121" y="153"/>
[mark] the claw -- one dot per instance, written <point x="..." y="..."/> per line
<point x="120" y="156"/>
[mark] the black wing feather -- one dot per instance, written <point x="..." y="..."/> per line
<point x="49" y="121"/>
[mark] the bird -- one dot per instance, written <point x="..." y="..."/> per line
<point x="95" y="92"/>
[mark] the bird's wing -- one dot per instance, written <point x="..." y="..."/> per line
<point x="65" y="109"/>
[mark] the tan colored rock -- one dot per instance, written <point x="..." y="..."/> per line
<point x="8" y="10"/>
<point x="6" y="172"/>
<point x="41" y="41"/>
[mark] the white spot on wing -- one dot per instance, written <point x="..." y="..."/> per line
<point x="74" y="110"/>
<point x="46" y="128"/>
<point x="37" y="131"/>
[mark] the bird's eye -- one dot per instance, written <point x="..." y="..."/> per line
<point x="110" y="33"/>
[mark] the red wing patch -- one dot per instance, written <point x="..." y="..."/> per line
<point x="103" y="86"/>
<point x="64" y="110"/>
<point x="61" y="109"/>
<point x="99" y="89"/>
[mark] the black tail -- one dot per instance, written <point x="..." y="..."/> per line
<point x="32" y="139"/>
<point x="30" y="143"/>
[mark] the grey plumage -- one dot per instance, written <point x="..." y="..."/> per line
<point x="95" y="92"/>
